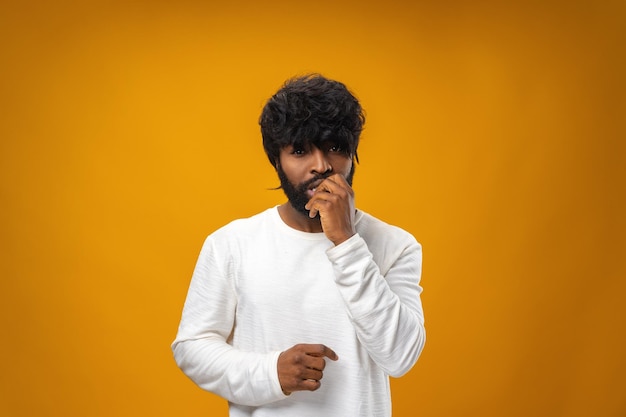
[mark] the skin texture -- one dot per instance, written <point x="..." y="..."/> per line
<point x="333" y="198"/>
<point x="334" y="201"/>
<point x="301" y="367"/>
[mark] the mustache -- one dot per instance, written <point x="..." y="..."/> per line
<point x="305" y="185"/>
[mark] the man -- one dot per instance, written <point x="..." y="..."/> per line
<point x="307" y="308"/>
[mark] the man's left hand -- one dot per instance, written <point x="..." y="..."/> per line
<point x="334" y="201"/>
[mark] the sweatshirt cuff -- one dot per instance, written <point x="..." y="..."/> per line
<point x="347" y="247"/>
<point x="277" y="391"/>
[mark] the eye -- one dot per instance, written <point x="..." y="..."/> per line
<point x="298" y="151"/>
<point x="334" y="147"/>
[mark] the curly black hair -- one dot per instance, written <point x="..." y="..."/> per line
<point x="311" y="109"/>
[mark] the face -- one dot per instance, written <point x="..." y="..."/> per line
<point x="301" y="169"/>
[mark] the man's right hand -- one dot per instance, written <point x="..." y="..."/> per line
<point x="301" y="367"/>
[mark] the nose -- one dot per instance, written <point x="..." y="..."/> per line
<point x="319" y="162"/>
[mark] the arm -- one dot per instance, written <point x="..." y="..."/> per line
<point x="386" y="310"/>
<point x="201" y="349"/>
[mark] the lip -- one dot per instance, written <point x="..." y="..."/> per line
<point x="315" y="184"/>
<point x="312" y="187"/>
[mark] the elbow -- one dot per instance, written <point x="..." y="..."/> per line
<point x="407" y="361"/>
<point x="181" y="357"/>
<point x="177" y="352"/>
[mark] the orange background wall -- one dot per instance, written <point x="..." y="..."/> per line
<point x="495" y="134"/>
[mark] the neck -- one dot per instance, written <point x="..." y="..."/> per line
<point x="299" y="221"/>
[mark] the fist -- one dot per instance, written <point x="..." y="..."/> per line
<point x="301" y="367"/>
<point x="334" y="201"/>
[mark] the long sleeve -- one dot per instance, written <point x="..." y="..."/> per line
<point x="384" y="307"/>
<point x="201" y="349"/>
<point x="261" y="287"/>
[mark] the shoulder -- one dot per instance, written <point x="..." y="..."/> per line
<point x="373" y="230"/>
<point x="241" y="230"/>
<point x="245" y="224"/>
<point x="388" y="244"/>
<point x="237" y="238"/>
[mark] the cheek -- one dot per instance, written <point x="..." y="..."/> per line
<point x="342" y="166"/>
<point x="293" y="171"/>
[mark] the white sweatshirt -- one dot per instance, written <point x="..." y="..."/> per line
<point x="260" y="287"/>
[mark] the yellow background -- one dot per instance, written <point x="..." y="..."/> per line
<point x="495" y="134"/>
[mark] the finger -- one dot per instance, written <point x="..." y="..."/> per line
<point x="315" y="362"/>
<point x="319" y="200"/>
<point x="317" y="206"/>
<point x="329" y="185"/>
<point x="322" y="351"/>
<point x="330" y="354"/>
<point x="313" y="374"/>
<point x="334" y="183"/>
<point x="312" y="210"/>
<point x="310" y="384"/>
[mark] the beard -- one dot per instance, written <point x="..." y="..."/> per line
<point x="297" y="194"/>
